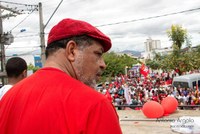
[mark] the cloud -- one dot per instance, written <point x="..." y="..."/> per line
<point x="130" y="35"/>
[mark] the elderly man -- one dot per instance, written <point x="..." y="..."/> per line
<point x="59" y="98"/>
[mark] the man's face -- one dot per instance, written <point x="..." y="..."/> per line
<point x="89" y="64"/>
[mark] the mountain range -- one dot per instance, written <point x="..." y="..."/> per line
<point x="132" y="52"/>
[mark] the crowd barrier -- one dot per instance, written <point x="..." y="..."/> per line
<point x="180" y="106"/>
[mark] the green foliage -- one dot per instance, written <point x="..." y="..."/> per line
<point x="178" y="35"/>
<point x="32" y="67"/>
<point x="198" y="50"/>
<point x="116" y="64"/>
<point x="153" y="64"/>
<point x="184" y="61"/>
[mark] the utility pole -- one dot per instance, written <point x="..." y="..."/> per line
<point x="42" y="38"/>
<point x="42" y="27"/>
<point x="2" y="47"/>
<point x="5" y="39"/>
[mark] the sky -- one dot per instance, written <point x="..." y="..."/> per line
<point x="125" y="22"/>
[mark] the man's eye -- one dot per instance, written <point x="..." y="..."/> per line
<point x="99" y="53"/>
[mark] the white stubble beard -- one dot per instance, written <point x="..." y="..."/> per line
<point x="80" y="74"/>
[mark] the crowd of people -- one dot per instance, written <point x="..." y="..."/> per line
<point x="136" y="90"/>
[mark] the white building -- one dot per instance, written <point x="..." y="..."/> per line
<point x="150" y="47"/>
<point x="154" y="46"/>
<point x="163" y="51"/>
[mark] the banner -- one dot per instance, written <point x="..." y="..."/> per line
<point x="127" y="94"/>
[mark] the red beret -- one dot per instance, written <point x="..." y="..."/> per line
<point x="70" y="27"/>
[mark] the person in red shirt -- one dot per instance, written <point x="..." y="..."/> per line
<point x="60" y="98"/>
<point x="155" y="96"/>
<point x="162" y="95"/>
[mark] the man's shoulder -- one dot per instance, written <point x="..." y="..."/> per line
<point x="4" y="89"/>
<point x="87" y="93"/>
<point x="6" y="86"/>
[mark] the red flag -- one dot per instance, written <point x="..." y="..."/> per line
<point x="144" y="70"/>
<point x="122" y="79"/>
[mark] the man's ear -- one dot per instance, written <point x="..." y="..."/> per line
<point x="24" y="74"/>
<point x="70" y="50"/>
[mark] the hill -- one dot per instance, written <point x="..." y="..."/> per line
<point x="134" y="53"/>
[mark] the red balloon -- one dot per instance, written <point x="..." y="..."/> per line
<point x="169" y="104"/>
<point x="152" y="109"/>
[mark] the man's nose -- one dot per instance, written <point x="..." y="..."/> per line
<point x="102" y="64"/>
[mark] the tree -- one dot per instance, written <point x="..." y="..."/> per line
<point x="178" y="59"/>
<point x="116" y="64"/>
<point x="32" y="67"/>
<point x="178" y="36"/>
<point x="157" y="56"/>
<point x="153" y="64"/>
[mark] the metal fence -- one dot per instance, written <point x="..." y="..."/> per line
<point x="179" y="106"/>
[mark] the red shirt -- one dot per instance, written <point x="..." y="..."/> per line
<point x="51" y="102"/>
<point x="155" y="98"/>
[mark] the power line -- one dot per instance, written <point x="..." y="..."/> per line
<point x="147" y="18"/>
<point x="17" y="3"/>
<point x="53" y="13"/>
<point x="23" y="19"/>
<point x="17" y="7"/>
<point x="116" y="23"/>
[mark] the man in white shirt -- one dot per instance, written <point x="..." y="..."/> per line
<point x="16" y="69"/>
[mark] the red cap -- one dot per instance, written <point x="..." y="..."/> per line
<point x="70" y="27"/>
